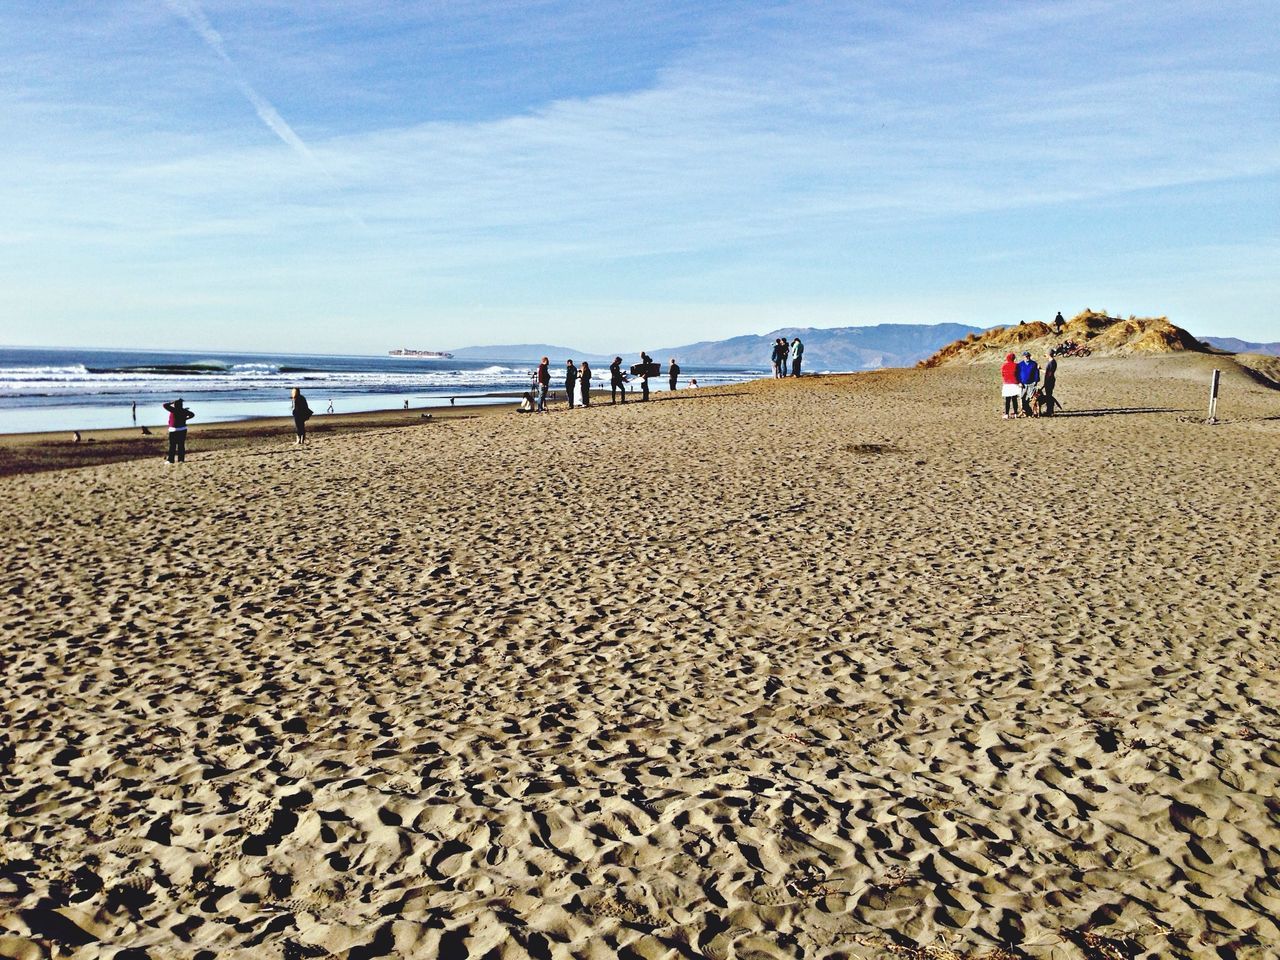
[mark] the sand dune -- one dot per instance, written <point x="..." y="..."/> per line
<point x="1103" y="335"/>
<point x="844" y="667"/>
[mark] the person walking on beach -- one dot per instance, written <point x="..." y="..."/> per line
<point x="178" y="417"/>
<point x="797" y="355"/>
<point x="330" y="410"/>
<point x="584" y="381"/>
<point x="570" y="381"/>
<point x="544" y="383"/>
<point x="134" y="412"/>
<point x="1047" y="402"/>
<point x="1009" y="388"/>
<point x="1028" y="379"/>
<point x="617" y="381"/>
<point x="673" y="374"/>
<point x="301" y="414"/>
<point x="645" y="362"/>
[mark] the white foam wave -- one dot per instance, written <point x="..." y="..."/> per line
<point x="42" y="373"/>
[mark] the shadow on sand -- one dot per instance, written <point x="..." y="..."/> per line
<point x="1118" y="411"/>
<point x="666" y="396"/>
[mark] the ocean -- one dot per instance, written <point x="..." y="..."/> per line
<point x="71" y="389"/>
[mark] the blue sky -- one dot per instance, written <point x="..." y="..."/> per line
<point x="359" y="175"/>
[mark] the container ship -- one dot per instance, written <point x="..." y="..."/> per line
<point x="426" y="354"/>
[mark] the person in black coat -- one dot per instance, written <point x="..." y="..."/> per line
<point x="673" y="374"/>
<point x="644" y="375"/>
<point x="1047" y="401"/>
<point x="178" y="417"/>
<point x="617" y="381"/>
<point x="584" y="380"/>
<point x="301" y="414"/>
<point x="570" y="381"/>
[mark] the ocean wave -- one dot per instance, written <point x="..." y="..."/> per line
<point x="260" y="369"/>
<point x="148" y="380"/>
<point x="42" y="373"/>
<point x="263" y="380"/>
<point x="200" y="368"/>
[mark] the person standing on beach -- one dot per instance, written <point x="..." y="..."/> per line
<point x="134" y="412"/>
<point x="1028" y="378"/>
<point x="780" y="357"/>
<point x="1009" y="388"/>
<point x="178" y="417"/>
<point x="1057" y="323"/>
<point x="645" y="361"/>
<point x="570" y="381"/>
<point x="544" y="383"/>
<point x="617" y="381"/>
<point x="797" y="355"/>
<point x="1050" y="381"/>
<point x="584" y="380"/>
<point x="673" y="374"/>
<point x="301" y="414"/>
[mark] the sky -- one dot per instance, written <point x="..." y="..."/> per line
<point x="359" y="175"/>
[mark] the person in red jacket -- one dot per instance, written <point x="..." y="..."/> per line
<point x="178" y="417"/>
<point x="1009" y="387"/>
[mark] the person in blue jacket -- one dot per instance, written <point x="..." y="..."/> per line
<point x="779" y="357"/>
<point x="1028" y="379"/>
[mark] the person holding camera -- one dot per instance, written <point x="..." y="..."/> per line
<point x="617" y="381"/>
<point x="178" y="417"/>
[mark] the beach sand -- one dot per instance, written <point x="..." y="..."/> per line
<point x="838" y="667"/>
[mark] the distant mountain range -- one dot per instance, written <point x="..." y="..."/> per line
<point x="834" y="348"/>
<point x="522" y="352"/>
<point x="1232" y="345"/>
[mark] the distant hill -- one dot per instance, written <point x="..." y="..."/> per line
<point x="1232" y="345"/>
<point x="832" y="348"/>
<point x="524" y="352"/>
<point x="1104" y="335"/>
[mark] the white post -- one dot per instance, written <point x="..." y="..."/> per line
<point x="1213" y="397"/>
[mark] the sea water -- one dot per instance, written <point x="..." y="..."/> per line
<point x="70" y="389"/>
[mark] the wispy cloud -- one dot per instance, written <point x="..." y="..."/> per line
<point x="774" y="151"/>
<point x="193" y="14"/>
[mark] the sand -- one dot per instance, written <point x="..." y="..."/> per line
<point x="842" y="667"/>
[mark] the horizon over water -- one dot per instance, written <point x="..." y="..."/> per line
<point x="65" y="388"/>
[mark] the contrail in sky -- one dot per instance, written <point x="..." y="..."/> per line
<point x="191" y="11"/>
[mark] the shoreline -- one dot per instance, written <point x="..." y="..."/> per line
<point x="28" y="453"/>
<point x="25" y="453"/>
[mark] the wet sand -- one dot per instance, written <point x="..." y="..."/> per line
<point x="838" y="667"/>
<point x="34" y="452"/>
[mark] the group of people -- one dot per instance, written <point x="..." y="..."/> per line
<point x="180" y="414"/>
<point x="785" y="354"/>
<point x="577" y="382"/>
<point x="1028" y="391"/>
